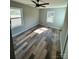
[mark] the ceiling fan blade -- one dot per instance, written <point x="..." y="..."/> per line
<point x="34" y="2"/>
<point x="44" y="4"/>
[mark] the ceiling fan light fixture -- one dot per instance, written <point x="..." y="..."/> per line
<point x="39" y="5"/>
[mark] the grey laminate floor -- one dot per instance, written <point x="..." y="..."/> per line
<point x="53" y="40"/>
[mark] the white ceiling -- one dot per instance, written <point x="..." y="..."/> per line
<point x="52" y="3"/>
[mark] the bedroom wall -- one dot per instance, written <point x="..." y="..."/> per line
<point x="64" y="33"/>
<point x="58" y="18"/>
<point x="30" y="18"/>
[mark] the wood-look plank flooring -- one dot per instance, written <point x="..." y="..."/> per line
<point x="53" y="40"/>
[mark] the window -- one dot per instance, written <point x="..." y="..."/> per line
<point x="50" y="17"/>
<point x="16" y="17"/>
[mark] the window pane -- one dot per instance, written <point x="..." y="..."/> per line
<point x="16" y="17"/>
<point x="14" y="12"/>
<point x="16" y="22"/>
<point x="50" y="16"/>
<point x="50" y="19"/>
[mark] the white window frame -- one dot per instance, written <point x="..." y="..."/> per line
<point x="52" y="16"/>
<point x="17" y="17"/>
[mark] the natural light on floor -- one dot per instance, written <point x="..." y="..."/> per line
<point x="41" y="30"/>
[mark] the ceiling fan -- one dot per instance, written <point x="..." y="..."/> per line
<point x="38" y="4"/>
